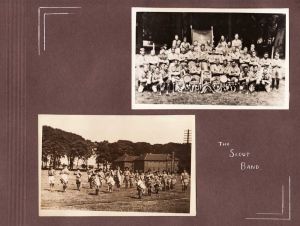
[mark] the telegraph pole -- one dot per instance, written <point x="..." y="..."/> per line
<point x="187" y="136"/>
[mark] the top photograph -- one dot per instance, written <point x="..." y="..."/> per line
<point x="193" y="58"/>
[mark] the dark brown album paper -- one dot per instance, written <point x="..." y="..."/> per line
<point x="83" y="66"/>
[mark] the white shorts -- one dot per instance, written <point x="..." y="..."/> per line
<point x="51" y="179"/>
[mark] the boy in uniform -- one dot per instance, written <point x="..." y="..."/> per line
<point x="185" y="179"/>
<point x="174" y="72"/>
<point x="165" y="78"/>
<point x="229" y="48"/>
<point x="217" y="70"/>
<point x="196" y="46"/>
<point x="152" y="60"/>
<point x="51" y="178"/>
<point x="254" y="78"/>
<point x="276" y="71"/>
<point x="78" y="179"/>
<point x="140" y="58"/>
<point x="90" y="173"/>
<point x="156" y="81"/>
<point x="131" y="178"/>
<point x="266" y="79"/>
<point x="254" y="60"/>
<point x="203" y="56"/>
<point x="156" y="180"/>
<point x="244" y="58"/>
<point x="127" y="176"/>
<point x="265" y="61"/>
<point x="144" y="79"/>
<point x="64" y="177"/>
<point x="110" y="182"/>
<point x="236" y="42"/>
<point x="244" y="78"/>
<point x="185" y="45"/>
<point x="96" y="181"/>
<point x="234" y="72"/>
<point x="174" y="42"/>
<point x="163" y="57"/>
<point x="177" y="47"/>
<point x="172" y="56"/>
<point x="235" y="55"/>
<point x="173" y="181"/>
<point x="226" y="67"/>
<point x="140" y="186"/>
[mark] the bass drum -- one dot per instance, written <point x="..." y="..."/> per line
<point x="223" y="78"/>
<point x="195" y="79"/>
<point x="187" y="78"/>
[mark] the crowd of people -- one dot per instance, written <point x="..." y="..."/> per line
<point x="202" y="67"/>
<point x="145" y="182"/>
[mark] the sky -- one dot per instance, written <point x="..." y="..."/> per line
<point x="154" y="129"/>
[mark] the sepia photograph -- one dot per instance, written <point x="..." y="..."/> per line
<point x="193" y="58"/>
<point x="94" y="165"/>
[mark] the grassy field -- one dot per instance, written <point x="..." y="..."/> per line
<point x="260" y="98"/>
<point x="124" y="200"/>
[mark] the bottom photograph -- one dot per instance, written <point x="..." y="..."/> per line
<point x="117" y="165"/>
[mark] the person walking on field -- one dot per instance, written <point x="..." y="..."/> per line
<point x="64" y="177"/>
<point x="127" y="177"/>
<point x="90" y="172"/>
<point x="185" y="178"/>
<point x="78" y="179"/>
<point x="51" y="178"/>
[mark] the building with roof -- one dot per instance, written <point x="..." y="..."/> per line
<point x="125" y="161"/>
<point x="148" y="161"/>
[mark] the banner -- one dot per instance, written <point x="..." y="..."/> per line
<point x="202" y="36"/>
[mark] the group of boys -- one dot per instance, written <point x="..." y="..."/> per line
<point x="149" y="182"/>
<point x="185" y="65"/>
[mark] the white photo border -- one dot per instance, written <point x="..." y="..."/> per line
<point x="42" y="118"/>
<point x="135" y="106"/>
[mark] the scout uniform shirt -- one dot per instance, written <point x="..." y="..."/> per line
<point x="236" y="43"/>
<point x="145" y="77"/>
<point x="203" y="56"/>
<point x="185" y="45"/>
<point x="254" y="60"/>
<point x="140" y="60"/>
<point x="277" y="67"/>
<point x="156" y="78"/>
<point x="265" y="62"/>
<point x="164" y="75"/>
<point x="244" y="58"/>
<point x="152" y="60"/>
<point x="235" y="55"/>
<point x="234" y="71"/>
<point x="174" y="69"/>
<point x="185" y="178"/>
<point x="217" y="69"/>
<point x="226" y="69"/>
<point x="163" y="58"/>
<point x="172" y="56"/>
<point x="78" y="176"/>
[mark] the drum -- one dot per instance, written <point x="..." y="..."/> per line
<point x="187" y="78"/>
<point x="195" y="79"/>
<point x="223" y="78"/>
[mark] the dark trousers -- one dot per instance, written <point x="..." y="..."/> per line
<point x="275" y="83"/>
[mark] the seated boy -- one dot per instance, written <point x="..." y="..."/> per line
<point x="144" y="79"/>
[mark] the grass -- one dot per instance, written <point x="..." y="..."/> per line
<point x="259" y="98"/>
<point x="127" y="200"/>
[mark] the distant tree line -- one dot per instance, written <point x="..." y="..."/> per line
<point x="57" y="143"/>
